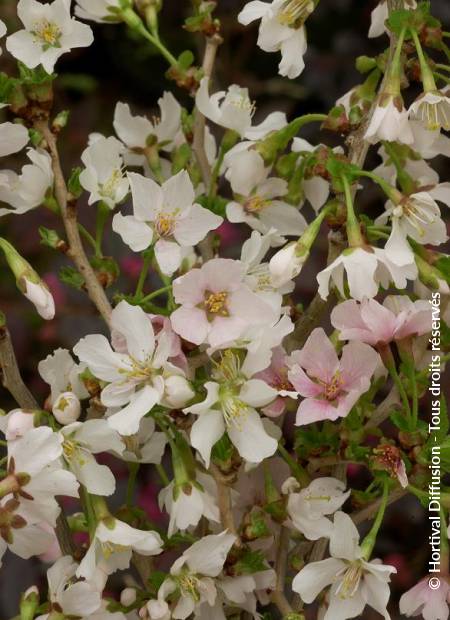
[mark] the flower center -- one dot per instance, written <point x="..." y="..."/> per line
<point x="140" y="371"/>
<point x="229" y="367"/>
<point x="241" y="101"/>
<point x="165" y="223"/>
<point x="216" y="303"/>
<point x="295" y="12"/>
<point x="350" y="581"/>
<point x="234" y="410"/>
<point x="334" y="387"/>
<point x="109" y="188"/>
<point x="189" y="586"/>
<point x="255" y="204"/>
<point x="108" y="548"/>
<point x="48" y="32"/>
<point x="434" y="115"/>
<point x="282" y="382"/>
<point x="418" y="214"/>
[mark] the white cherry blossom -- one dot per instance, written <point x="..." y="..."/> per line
<point x="100" y="11"/>
<point x="136" y="131"/>
<point x="112" y="546"/>
<point x="234" y="110"/>
<point x="167" y="216"/>
<point x="281" y="30"/>
<point x="28" y="189"/>
<point x="355" y="582"/>
<point x="230" y="406"/>
<point x="49" y="31"/>
<point x="103" y="176"/>
<point x="258" y="197"/>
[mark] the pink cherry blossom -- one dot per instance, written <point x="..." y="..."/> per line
<point x="276" y="375"/>
<point x="330" y="386"/>
<point x="374" y="323"/>
<point x="424" y="600"/>
<point x="216" y="305"/>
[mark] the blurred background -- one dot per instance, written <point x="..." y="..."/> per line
<point x="118" y="66"/>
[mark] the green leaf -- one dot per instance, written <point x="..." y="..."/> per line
<point x="49" y="238"/>
<point x="400" y="420"/>
<point x="251" y="562"/>
<point x="186" y="59"/>
<point x="223" y="449"/>
<point x="71" y="277"/>
<point x="74" y="185"/>
<point x="155" y="580"/>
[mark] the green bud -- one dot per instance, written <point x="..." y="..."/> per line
<point x="365" y="63"/>
<point x="29" y="603"/>
<point x="229" y="139"/>
<point x="131" y="18"/>
<point x="21" y="269"/>
<point x="60" y="121"/>
<point x="181" y="157"/>
<point x="50" y="238"/>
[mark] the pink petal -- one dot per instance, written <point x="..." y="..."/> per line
<point x="318" y="357"/>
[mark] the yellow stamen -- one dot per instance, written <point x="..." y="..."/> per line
<point x="216" y="303"/>
<point x="48" y="32"/>
<point x="295" y="12"/>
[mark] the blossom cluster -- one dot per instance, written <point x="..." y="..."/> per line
<point x="248" y="405"/>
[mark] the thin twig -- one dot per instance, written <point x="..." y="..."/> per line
<point x="11" y="377"/>
<point x="278" y="596"/>
<point x="224" y="503"/>
<point x="69" y="215"/>
<point x="198" y="142"/>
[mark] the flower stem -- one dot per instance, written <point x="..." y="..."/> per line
<point x="103" y="212"/>
<point x="353" y="230"/>
<point x="389" y="362"/>
<point x="148" y="256"/>
<point x="371" y="538"/>
<point x="299" y="472"/>
<point x="405" y="180"/>
<point x="87" y="236"/>
<point x="428" y="82"/>
<point x="162" y="474"/>
<point x="133" y="469"/>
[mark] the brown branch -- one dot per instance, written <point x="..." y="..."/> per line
<point x="13" y="382"/>
<point x="198" y="142"/>
<point x="69" y="215"/>
<point x="278" y="596"/>
<point x="11" y="377"/>
<point x="224" y="503"/>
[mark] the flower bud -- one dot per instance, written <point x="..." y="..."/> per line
<point x="28" y="281"/>
<point x="128" y="597"/>
<point x="66" y="408"/>
<point x="28" y="603"/>
<point x="286" y="264"/>
<point x="178" y="392"/>
<point x="17" y="423"/>
<point x="40" y="296"/>
<point x="158" y="610"/>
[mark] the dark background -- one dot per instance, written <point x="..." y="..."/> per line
<point x="120" y="67"/>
